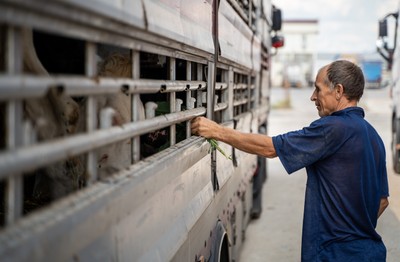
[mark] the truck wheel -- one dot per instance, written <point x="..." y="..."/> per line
<point x="220" y="249"/>
<point x="395" y="145"/>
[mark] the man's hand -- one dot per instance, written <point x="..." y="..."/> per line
<point x="205" y="127"/>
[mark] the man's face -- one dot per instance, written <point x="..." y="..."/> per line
<point x="323" y="97"/>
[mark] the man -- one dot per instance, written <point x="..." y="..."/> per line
<point x="344" y="157"/>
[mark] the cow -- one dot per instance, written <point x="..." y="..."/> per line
<point x="58" y="115"/>
<point x="116" y="156"/>
<point x="52" y="116"/>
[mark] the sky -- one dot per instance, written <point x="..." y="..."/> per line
<point x="345" y="26"/>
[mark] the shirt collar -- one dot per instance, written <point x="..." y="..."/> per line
<point x="350" y="110"/>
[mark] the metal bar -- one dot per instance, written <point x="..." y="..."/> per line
<point x="91" y="109"/>
<point x="14" y="188"/>
<point x="240" y="86"/>
<point x="220" y="107"/>
<point x="199" y="101"/>
<point x="36" y="156"/>
<point x="26" y="86"/>
<point x="175" y="86"/>
<point x="227" y="95"/>
<point x="14" y="111"/>
<point x="91" y="163"/>
<point x="188" y="96"/>
<point x="210" y="90"/>
<point x="136" y="104"/>
<point x="240" y="102"/>
<point x="172" y="100"/>
<point x="248" y="91"/>
<point x="239" y="10"/>
<point x="221" y="86"/>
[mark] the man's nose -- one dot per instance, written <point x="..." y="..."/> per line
<point x="313" y="98"/>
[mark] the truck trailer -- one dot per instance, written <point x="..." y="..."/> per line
<point x="97" y="161"/>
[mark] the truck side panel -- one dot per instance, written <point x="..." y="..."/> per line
<point x="177" y="201"/>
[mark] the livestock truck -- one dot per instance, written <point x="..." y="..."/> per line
<point x="97" y="160"/>
<point x="388" y="48"/>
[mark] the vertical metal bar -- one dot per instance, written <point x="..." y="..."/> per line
<point x="257" y="89"/>
<point x="172" y="98"/>
<point x="136" y="108"/>
<point x="250" y="14"/>
<point x="228" y="95"/>
<point x="14" y="188"/>
<point x="248" y="93"/>
<point x="91" y="109"/>
<point x="188" y="95"/>
<point x="210" y="90"/>
<point x="199" y="101"/>
<point x="243" y="92"/>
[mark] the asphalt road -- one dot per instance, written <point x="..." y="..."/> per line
<point x="276" y="235"/>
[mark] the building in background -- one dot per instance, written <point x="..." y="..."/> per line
<point x="294" y="64"/>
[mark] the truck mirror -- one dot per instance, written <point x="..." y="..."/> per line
<point x="383" y="28"/>
<point x="276" y="19"/>
<point x="278" y="41"/>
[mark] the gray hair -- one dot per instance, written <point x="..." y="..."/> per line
<point x="349" y="75"/>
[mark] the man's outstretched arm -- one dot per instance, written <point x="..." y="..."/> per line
<point x="251" y="143"/>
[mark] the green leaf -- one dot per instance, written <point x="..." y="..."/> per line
<point x="214" y="145"/>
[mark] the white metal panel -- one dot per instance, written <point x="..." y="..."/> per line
<point x="127" y="11"/>
<point x="132" y="215"/>
<point x="234" y="36"/>
<point x="267" y="9"/>
<point x="256" y="54"/>
<point x="188" y="22"/>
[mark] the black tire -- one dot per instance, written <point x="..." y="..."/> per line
<point x="395" y="143"/>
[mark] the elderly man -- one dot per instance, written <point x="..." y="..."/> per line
<point x="344" y="156"/>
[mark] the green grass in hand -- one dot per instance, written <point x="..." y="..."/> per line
<point x="214" y="145"/>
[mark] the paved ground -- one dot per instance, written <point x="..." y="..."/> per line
<point x="276" y="235"/>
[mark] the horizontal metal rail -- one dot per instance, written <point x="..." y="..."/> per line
<point x="220" y="107"/>
<point x="28" y="86"/>
<point x="240" y="86"/>
<point x="240" y="102"/>
<point x="239" y="10"/>
<point x="221" y="86"/>
<point x="36" y="156"/>
<point x="175" y="86"/>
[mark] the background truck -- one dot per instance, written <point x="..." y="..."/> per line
<point x="372" y="70"/>
<point x="388" y="48"/>
<point x="97" y="161"/>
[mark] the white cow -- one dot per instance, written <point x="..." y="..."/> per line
<point x="116" y="156"/>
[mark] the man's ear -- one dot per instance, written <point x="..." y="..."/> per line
<point x="339" y="90"/>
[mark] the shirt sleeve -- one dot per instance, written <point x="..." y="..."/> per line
<point x="384" y="185"/>
<point x="298" y="149"/>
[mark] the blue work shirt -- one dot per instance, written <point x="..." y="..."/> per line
<point x="346" y="178"/>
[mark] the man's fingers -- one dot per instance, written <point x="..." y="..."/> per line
<point x="194" y="125"/>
